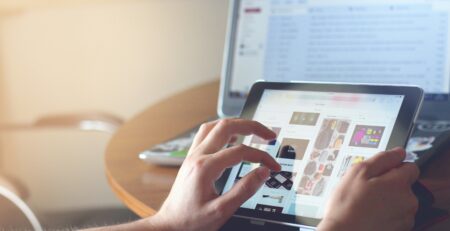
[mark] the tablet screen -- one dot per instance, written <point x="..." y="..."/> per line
<point x="320" y="136"/>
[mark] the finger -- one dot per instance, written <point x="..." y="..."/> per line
<point x="203" y="131"/>
<point x="233" y="140"/>
<point x="225" y="129"/>
<point x="407" y="172"/>
<point x="403" y="223"/>
<point x="385" y="161"/>
<point x="235" y="155"/>
<point x="404" y="220"/>
<point x="242" y="191"/>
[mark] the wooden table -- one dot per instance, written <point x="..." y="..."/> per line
<point x="144" y="187"/>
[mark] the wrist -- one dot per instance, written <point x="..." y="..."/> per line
<point x="157" y="223"/>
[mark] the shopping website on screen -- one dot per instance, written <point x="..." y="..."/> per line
<point x="319" y="137"/>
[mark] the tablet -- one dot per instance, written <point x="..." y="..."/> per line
<point x="322" y="130"/>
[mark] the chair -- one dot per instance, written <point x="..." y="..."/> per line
<point x="91" y="121"/>
<point x="13" y="209"/>
<point x="13" y="193"/>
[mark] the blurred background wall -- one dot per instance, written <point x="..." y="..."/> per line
<point x="79" y="55"/>
<point x="118" y="56"/>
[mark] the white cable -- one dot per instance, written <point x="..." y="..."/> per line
<point x="22" y="206"/>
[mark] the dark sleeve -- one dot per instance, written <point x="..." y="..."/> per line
<point x="426" y="215"/>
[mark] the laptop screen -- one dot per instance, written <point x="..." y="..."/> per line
<point x="364" y="41"/>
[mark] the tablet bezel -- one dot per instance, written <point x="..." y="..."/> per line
<point x="408" y="113"/>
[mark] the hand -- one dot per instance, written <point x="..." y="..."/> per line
<point x="193" y="203"/>
<point x="374" y="195"/>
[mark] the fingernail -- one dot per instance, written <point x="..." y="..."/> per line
<point x="397" y="149"/>
<point x="263" y="173"/>
<point x="278" y="168"/>
<point x="273" y="135"/>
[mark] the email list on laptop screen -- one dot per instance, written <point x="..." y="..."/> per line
<point x="364" y="41"/>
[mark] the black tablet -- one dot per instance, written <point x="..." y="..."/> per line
<point x="322" y="130"/>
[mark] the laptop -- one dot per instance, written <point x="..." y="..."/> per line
<point x="399" y="42"/>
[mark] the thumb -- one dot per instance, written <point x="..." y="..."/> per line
<point x="242" y="191"/>
<point x="385" y="161"/>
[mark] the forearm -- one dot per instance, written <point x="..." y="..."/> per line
<point x="147" y="224"/>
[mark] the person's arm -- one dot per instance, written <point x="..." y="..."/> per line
<point x="193" y="203"/>
<point x="147" y="224"/>
<point x="370" y="195"/>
